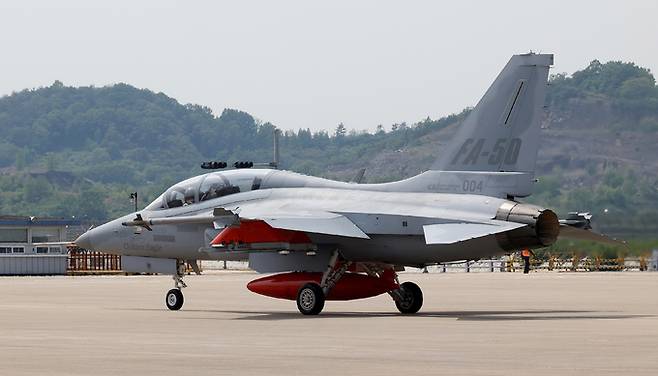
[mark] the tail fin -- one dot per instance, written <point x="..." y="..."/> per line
<point x="502" y="131"/>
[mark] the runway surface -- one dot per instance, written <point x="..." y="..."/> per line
<point x="471" y="324"/>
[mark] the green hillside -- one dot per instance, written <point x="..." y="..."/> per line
<point x="80" y="151"/>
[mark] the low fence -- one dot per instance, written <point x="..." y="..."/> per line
<point x="224" y="265"/>
<point x="83" y="261"/>
<point x="573" y="264"/>
<point x="505" y="265"/>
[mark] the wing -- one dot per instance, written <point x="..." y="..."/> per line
<point x="449" y="233"/>
<point x="319" y="222"/>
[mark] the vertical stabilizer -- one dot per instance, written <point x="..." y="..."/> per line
<point x="501" y="134"/>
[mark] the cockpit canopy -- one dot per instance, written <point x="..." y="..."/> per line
<point x="209" y="186"/>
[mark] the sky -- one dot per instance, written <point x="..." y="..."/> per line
<point x="306" y="64"/>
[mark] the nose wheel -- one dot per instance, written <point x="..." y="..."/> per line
<point x="174" y="298"/>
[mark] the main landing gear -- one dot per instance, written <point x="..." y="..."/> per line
<point x="174" y="298"/>
<point x="409" y="298"/>
<point x="310" y="299"/>
<point x="311" y="296"/>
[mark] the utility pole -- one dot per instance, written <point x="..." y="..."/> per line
<point x="275" y="163"/>
<point x="133" y="199"/>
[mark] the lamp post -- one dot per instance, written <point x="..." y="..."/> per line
<point x="133" y="199"/>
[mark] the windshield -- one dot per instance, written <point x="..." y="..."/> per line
<point x="183" y="194"/>
<point x="157" y="204"/>
<point x="215" y="185"/>
<point x="208" y="187"/>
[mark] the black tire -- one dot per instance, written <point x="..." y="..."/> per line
<point x="412" y="298"/>
<point x="310" y="299"/>
<point x="174" y="299"/>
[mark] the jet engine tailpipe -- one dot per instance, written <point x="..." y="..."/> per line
<point x="542" y="230"/>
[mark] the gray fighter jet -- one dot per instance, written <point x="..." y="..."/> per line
<point x="331" y="240"/>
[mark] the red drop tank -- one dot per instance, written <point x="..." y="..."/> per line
<point x="258" y="232"/>
<point x="349" y="286"/>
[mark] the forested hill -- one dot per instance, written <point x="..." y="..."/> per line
<point x="80" y="151"/>
<point x="114" y="134"/>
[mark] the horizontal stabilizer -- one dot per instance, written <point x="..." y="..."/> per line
<point x="575" y="233"/>
<point x="449" y="233"/>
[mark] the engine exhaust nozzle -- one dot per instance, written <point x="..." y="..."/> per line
<point x="542" y="230"/>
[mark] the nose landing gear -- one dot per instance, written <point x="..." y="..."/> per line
<point x="174" y="298"/>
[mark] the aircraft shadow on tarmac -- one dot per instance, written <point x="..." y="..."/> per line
<point x="510" y="315"/>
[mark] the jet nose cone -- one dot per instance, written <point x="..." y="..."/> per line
<point x="84" y="241"/>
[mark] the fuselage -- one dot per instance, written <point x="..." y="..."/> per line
<point x="392" y="219"/>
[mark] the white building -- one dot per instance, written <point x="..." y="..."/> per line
<point x="20" y="253"/>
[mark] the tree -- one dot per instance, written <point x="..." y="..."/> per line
<point x="340" y="130"/>
<point x="609" y="77"/>
<point x="638" y="88"/>
<point x="91" y="204"/>
<point x="51" y="162"/>
<point x="21" y="157"/>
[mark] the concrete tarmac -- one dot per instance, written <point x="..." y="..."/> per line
<point x="471" y="324"/>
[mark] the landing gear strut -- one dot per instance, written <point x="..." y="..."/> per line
<point x="174" y="298"/>
<point x="408" y="298"/>
<point x="311" y="296"/>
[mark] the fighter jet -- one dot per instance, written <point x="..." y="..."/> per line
<point x="331" y="240"/>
